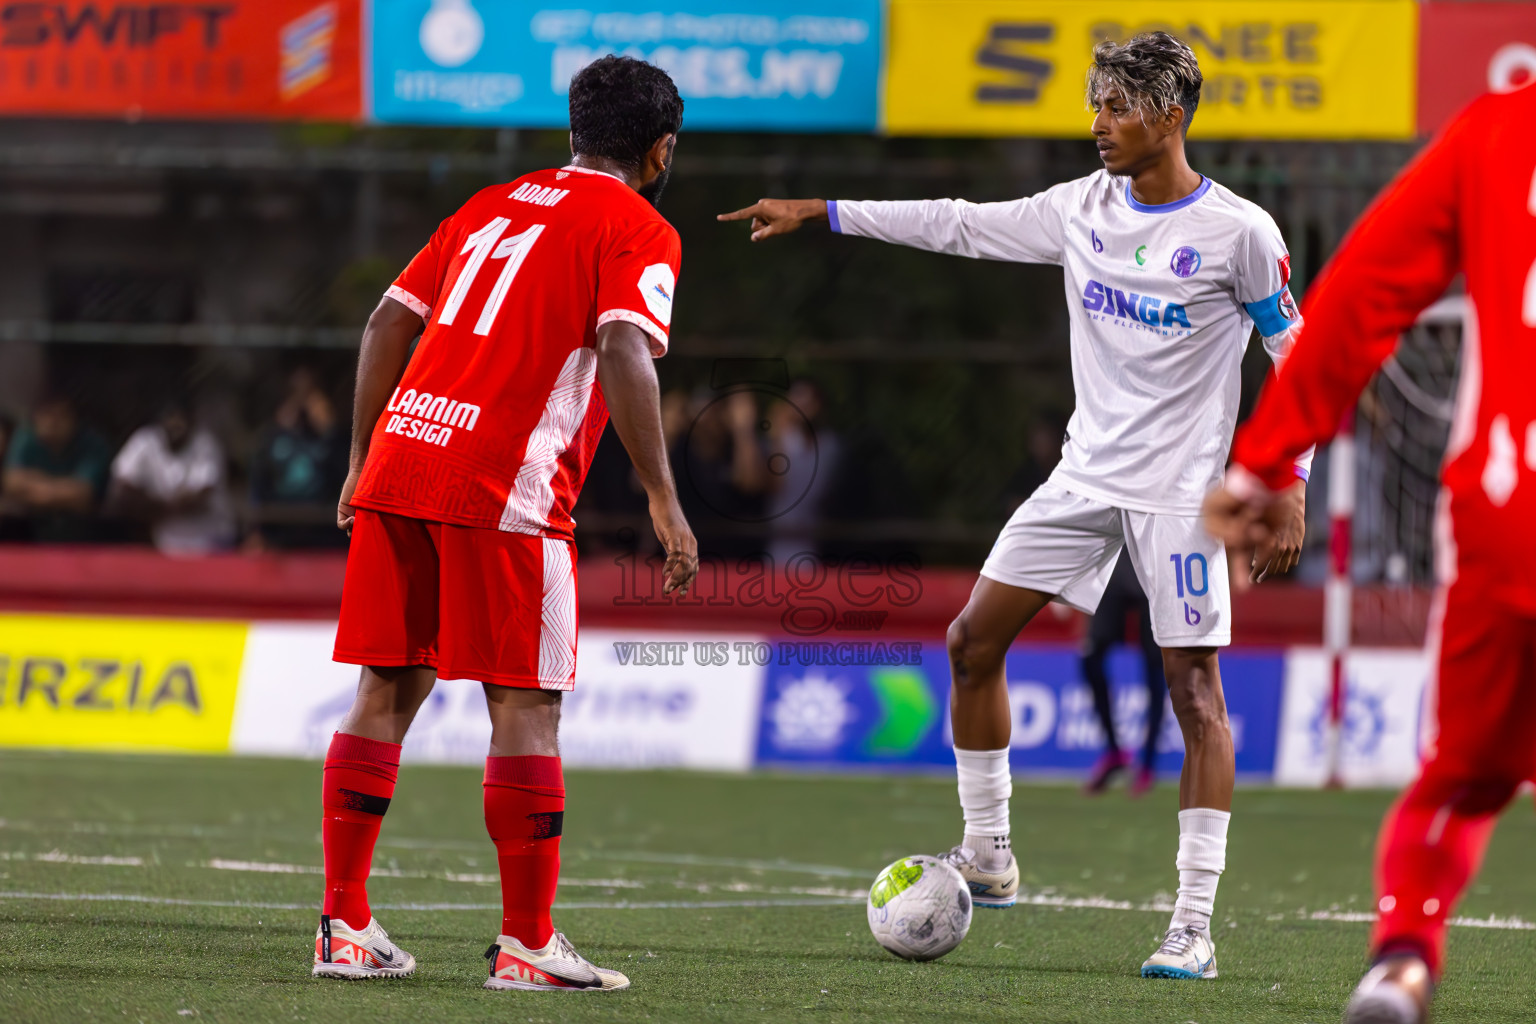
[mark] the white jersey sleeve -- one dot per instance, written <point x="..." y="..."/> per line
<point x="1029" y="230"/>
<point x="1261" y="275"/>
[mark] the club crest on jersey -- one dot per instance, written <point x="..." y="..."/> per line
<point x="1185" y="261"/>
<point x="1284" y="263"/>
<point x="1145" y="311"/>
<point x="429" y="418"/>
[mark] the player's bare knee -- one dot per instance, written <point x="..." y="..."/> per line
<point x="1198" y="707"/>
<point x="971" y="656"/>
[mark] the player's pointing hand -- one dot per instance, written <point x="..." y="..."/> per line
<point x="778" y="216"/>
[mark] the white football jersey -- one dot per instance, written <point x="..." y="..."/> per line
<point x="1162" y="300"/>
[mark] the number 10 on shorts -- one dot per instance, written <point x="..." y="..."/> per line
<point x="1184" y="574"/>
<point x="1184" y="579"/>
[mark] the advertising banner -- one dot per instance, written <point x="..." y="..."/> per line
<point x="880" y="711"/>
<point x="1285" y="70"/>
<point x="118" y="684"/>
<point x="641" y="701"/>
<point x="803" y="65"/>
<point x="183" y="58"/>
<point x="1467" y="49"/>
<point x="1380" y="739"/>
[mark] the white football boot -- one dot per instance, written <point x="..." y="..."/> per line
<point x="1396" y="991"/>
<point x="343" y="952"/>
<point x="555" y="968"/>
<point x="1186" y="953"/>
<point x="993" y="889"/>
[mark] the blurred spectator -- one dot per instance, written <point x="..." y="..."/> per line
<point x="722" y="474"/>
<point x="56" y="473"/>
<point x="298" y="469"/>
<point x="171" y="475"/>
<point x="802" y="458"/>
<point x="1046" y="436"/>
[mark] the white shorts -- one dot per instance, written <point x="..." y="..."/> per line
<point x="1066" y="545"/>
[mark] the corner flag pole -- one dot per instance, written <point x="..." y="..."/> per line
<point x="1338" y="595"/>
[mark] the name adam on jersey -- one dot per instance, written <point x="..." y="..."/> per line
<point x="430" y="418"/>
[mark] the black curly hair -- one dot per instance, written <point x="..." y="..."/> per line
<point x="620" y="106"/>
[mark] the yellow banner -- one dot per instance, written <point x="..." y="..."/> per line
<point x="68" y="681"/>
<point x="1291" y="69"/>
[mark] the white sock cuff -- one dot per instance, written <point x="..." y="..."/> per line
<point x="986" y="786"/>
<point x="991" y="762"/>
<point x="1203" y="840"/>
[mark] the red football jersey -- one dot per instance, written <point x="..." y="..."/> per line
<point x="1466" y="204"/>
<point x="497" y="417"/>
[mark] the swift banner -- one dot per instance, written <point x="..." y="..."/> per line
<point x="1284" y="70"/>
<point x="1467" y="49"/>
<point x="113" y="684"/>
<point x="231" y="59"/>
<point x="809" y="65"/>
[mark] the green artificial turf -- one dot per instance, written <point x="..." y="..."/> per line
<point x="725" y="898"/>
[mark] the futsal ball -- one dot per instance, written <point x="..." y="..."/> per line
<point x="919" y="908"/>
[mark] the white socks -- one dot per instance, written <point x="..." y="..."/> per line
<point x="985" y="787"/>
<point x="1202" y="858"/>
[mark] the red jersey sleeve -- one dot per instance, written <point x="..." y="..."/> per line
<point x="1398" y="259"/>
<point x="418" y="284"/>
<point x="637" y="278"/>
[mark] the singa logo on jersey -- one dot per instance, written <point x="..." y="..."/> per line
<point x="1148" y="312"/>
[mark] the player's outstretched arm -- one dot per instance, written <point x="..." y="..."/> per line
<point x="386" y="343"/>
<point x="628" y="379"/>
<point x="778" y="216"/>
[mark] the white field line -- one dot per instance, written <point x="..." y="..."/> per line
<point x="266" y="867"/>
<point x="119" y="897"/>
<point x="1350" y="917"/>
<point x="56" y="857"/>
<point x="278" y="868"/>
<point x="418" y="843"/>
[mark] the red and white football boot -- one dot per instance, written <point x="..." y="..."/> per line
<point x="343" y="952"/>
<point x="555" y="968"/>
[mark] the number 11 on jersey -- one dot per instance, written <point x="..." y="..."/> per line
<point x="483" y="245"/>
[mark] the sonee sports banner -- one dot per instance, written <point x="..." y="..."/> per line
<point x="1291" y="70"/>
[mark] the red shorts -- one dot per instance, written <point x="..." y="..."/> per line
<point x="1480" y="720"/>
<point x="471" y="603"/>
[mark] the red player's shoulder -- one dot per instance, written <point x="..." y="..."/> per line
<point x="1497" y="106"/>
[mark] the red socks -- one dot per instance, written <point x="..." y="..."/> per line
<point x="358" y="783"/>
<point x="1431" y="844"/>
<point x="524" y="811"/>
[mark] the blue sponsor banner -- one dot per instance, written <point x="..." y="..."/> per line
<point x="897" y="715"/>
<point x="802" y="65"/>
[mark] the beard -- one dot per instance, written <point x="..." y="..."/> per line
<point x="652" y="190"/>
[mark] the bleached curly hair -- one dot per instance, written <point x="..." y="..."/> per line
<point x="1155" y="71"/>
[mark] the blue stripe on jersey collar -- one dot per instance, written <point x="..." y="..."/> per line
<point x="1177" y="204"/>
